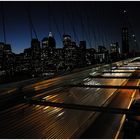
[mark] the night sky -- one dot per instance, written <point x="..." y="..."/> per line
<point x="99" y="23"/>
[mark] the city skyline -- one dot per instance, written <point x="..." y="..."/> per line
<point x="99" y="23"/>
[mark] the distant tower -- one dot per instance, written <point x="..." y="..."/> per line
<point x="45" y="42"/>
<point x="125" y="34"/>
<point x="48" y="52"/>
<point x="66" y="40"/>
<point x="50" y="34"/>
<point x="125" y="41"/>
<point x="51" y="41"/>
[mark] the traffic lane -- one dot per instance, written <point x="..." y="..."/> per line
<point x="69" y="94"/>
<point x="56" y="81"/>
<point x="111" y="123"/>
<point x="61" y="79"/>
<point x="8" y="91"/>
<point x="75" y="76"/>
<point x="127" y="68"/>
<point x="32" y="84"/>
<point x="39" y="81"/>
<point x="9" y="86"/>
<point x="120" y="70"/>
<point x="116" y="74"/>
<point x="44" y="83"/>
<point x="104" y="81"/>
<point x="19" y="93"/>
<point x="80" y="96"/>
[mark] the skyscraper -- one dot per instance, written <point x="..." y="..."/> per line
<point x="48" y="43"/>
<point x="66" y="40"/>
<point x="35" y="55"/>
<point x="8" y="61"/>
<point x="125" y="41"/>
<point x="114" y="51"/>
<point x="70" y="52"/>
<point x="48" y="52"/>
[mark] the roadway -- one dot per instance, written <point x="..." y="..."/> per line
<point x="36" y="83"/>
<point x="36" y="121"/>
<point x="16" y="91"/>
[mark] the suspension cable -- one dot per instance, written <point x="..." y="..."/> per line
<point x="72" y="25"/>
<point x="32" y="28"/>
<point x="84" y="16"/>
<point x="3" y="21"/>
<point x="56" y="25"/>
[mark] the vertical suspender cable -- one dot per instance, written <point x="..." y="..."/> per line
<point x="81" y="17"/>
<point x="97" y="29"/>
<point x="30" y="25"/>
<point x="104" y="31"/>
<point x="63" y="21"/>
<point x="49" y="16"/>
<point x="87" y="28"/>
<point x="93" y="31"/>
<point x="56" y="25"/>
<point x="100" y="28"/>
<point x="3" y="22"/>
<point x="73" y="16"/>
<point x="72" y="25"/>
<point x="81" y="22"/>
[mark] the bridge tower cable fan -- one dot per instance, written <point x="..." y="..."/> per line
<point x="50" y="17"/>
<point x="100" y="27"/>
<point x="63" y="22"/>
<point x="57" y="27"/>
<point x="103" y="28"/>
<point x="32" y="28"/>
<point x="93" y="31"/>
<point x="82" y="26"/>
<point x="85" y="20"/>
<point x="72" y="23"/>
<point x="54" y="21"/>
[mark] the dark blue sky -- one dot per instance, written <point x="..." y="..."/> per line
<point x="96" y="22"/>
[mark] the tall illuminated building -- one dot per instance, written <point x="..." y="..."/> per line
<point x="70" y="52"/>
<point x="35" y="55"/>
<point x="49" y="44"/>
<point x="125" y="41"/>
<point x="66" y="40"/>
<point x="48" y="52"/>
<point x="114" y="51"/>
